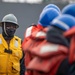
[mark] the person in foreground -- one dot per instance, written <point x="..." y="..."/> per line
<point x="10" y="47"/>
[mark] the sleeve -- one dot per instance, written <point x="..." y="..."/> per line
<point x="72" y="69"/>
<point x="65" y="68"/>
<point x="22" y="66"/>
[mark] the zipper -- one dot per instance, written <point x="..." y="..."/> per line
<point x="8" y="59"/>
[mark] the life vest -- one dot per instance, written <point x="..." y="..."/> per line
<point x="71" y="35"/>
<point x="10" y="56"/>
<point x="48" y="58"/>
<point x="28" y="33"/>
<point x="36" y="38"/>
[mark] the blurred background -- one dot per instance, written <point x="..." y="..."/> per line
<point x="27" y="11"/>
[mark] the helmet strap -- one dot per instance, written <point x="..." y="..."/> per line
<point x="5" y="29"/>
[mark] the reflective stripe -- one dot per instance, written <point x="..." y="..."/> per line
<point x="61" y="24"/>
<point x="0" y="41"/>
<point x="28" y="31"/>
<point x="16" y="43"/>
<point x="39" y="34"/>
<point x="49" y="48"/>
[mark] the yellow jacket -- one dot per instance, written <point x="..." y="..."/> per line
<point x="10" y="56"/>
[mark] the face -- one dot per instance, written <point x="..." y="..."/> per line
<point x="10" y="29"/>
<point x="10" y="26"/>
